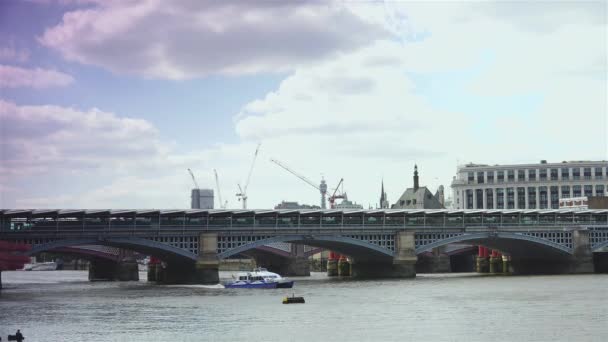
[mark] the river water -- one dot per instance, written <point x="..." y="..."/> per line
<point x="63" y="306"/>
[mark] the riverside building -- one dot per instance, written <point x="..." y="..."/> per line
<point x="527" y="186"/>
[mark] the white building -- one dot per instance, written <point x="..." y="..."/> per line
<point x="527" y="186"/>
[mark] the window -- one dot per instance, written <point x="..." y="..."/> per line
<point x="532" y="175"/>
<point x="599" y="190"/>
<point x="471" y="177"/>
<point x="480" y="177"/>
<point x="521" y="198"/>
<point x="500" y="198"/>
<point x="553" y="174"/>
<point x="543" y="174"/>
<point x="510" y="198"/>
<point x="576" y="191"/>
<point x="490" y="175"/>
<point x="598" y="173"/>
<point x="587" y="173"/>
<point x="511" y="175"/>
<point x="479" y="198"/>
<point x="521" y="175"/>
<point x="576" y="173"/>
<point x="489" y="199"/>
<point x="531" y="197"/>
<point x="565" y="173"/>
<point x="469" y="201"/>
<point x="542" y="192"/>
<point x="588" y="190"/>
<point x="565" y="191"/>
<point x="554" y="197"/>
<point x="500" y="176"/>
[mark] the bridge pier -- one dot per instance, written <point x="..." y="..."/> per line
<point x="482" y="261"/>
<point x="403" y="264"/>
<point x="296" y="264"/>
<point x="125" y="270"/>
<point x="437" y="262"/>
<point x="207" y="266"/>
<point x="332" y="265"/>
<point x="580" y="262"/>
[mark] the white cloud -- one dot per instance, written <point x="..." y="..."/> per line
<point x="196" y="38"/>
<point x="361" y="116"/>
<point x="16" y="77"/>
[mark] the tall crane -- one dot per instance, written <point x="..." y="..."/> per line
<point x="321" y="187"/>
<point x="243" y="191"/>
<point x="219" y="194"/>
<point x="333" y="197"/>
<point x="193" y="179"/>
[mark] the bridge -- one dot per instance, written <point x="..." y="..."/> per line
<point x="379" y="243"/>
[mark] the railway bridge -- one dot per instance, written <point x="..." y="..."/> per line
<point x="379" y="243"/>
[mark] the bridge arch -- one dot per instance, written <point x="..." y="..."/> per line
<point x="600" y="246"/>
<point x="144" y="246"/>
<point x="341" y="244"/>
<point x="500" y="240"/>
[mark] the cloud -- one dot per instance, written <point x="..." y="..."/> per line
<point x="16" y="77"/>
<point x="12" y="54"/>
<point x="362" y="115"/>
<point x="47" y="139"/>
<point x="197" y="38"/>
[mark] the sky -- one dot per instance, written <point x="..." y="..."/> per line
<point x="106" y="104"/>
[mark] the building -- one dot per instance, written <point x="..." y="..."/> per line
<point x="527" y="186"/>
<point x="419" y="197"/>
<point x="583" y="203"/>
<point x="346" y="204"/>
<point x="202" y="199"/>
<point x="295" y="205"/>
<point x="383" y="198"/>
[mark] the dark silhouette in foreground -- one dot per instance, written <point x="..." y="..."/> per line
<point x="17" y="337"/>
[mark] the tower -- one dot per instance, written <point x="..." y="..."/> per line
<point x="383" y="197"/>
<point x="416" y="185"/>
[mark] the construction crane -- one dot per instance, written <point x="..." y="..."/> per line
<point x="219" y="194"/>
<point x="321" y="187"/>
<point x="193" y="179"/>
<point x="242" y="195"/>
<point x="333" y="197"/>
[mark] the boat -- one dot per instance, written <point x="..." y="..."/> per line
<point x="293" y="300"/>
<point x="259" y="278"/>
<point x="41" y="266"/>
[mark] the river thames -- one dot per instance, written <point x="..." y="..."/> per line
<point x="64" y="306"/>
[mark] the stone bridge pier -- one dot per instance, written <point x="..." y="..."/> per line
<point x="295" y="264"/>
<point x="125" y="269"/>
<point x="402" y="265"/>
<point x="536" y="260"/>
<point x="204" y="270"/>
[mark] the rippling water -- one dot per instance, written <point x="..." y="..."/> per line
<point x="64" y="306"/>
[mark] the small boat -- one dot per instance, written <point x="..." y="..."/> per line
<point x="293" y="300"/>
<point x="41" y="266"/>
<point x="260" y="278"/>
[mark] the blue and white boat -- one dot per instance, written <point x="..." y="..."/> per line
<point x="259" y="278"/>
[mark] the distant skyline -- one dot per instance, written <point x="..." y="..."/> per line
<point x="106" y="104"/>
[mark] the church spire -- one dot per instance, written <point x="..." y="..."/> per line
<point x="416" y="186"/>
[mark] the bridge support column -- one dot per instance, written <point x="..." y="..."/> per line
<point x="403" y="264"/>
<point x="125" y="270"/>
<point x="437" y="262"/>
<point x="495" y="262"/>
<point x="344" y="267"/>
<point x="153" y="264"/>
<point x="207" y="265"/>
<point x="332" y="265"/>
<point x="483" y="263"/>
<point x="582" y="258"/>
